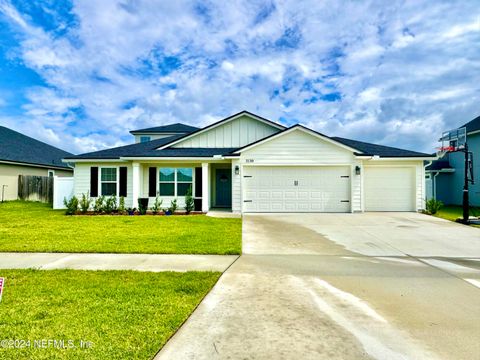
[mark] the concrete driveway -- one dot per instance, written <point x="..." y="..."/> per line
<point x="342" y="286"/>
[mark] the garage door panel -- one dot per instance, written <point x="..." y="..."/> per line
<point x="389" y="188"/>
<point x="318" y="189"/>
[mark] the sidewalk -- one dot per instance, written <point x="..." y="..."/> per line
<point x="139" y="262"/>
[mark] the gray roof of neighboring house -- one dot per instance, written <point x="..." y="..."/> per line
<point x="16" y="147"/>
<point x="473" y="125"/>
<point x="438" y="165"/>
<point x="380" y="150"/>
<point x="171" y="128"/>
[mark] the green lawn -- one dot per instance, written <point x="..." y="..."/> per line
<point x="123" y="314"/>
<point x="452" y="212"/>
<point x="34" y="227"/>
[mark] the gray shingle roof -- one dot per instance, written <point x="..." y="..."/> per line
<point x="380" y="150"/>
<point x="439" y="165"/>
<point x="126" y="150"/>
<point x="148" y="149"/>
<point x="20" y="148"/>
<point x="171" y="128"/>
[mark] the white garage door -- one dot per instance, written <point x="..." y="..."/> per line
<point x="389" y="189"/>
<point x="296" y="189"/>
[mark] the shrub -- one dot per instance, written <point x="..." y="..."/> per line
<point x="173" y="206"/>
<point x="433" y="206"/>
<point x="85" y="203"/>
<point x="98" y="205"/>
<point x="189" y="202"/>
<point x="121" y="205"/>
<point x="141" y="208"/>
<point x="71" y="205"/>
<point x="110" y="205"/>
<point x="157" y="205"/>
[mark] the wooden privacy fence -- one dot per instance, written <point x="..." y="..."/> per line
<point x="35" y="188"/>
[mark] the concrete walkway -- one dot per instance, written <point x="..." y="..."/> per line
<point x="342" y="286"/>
<point x="139" y="262"/>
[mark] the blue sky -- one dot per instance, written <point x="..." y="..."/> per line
<point x="81" y="74"/>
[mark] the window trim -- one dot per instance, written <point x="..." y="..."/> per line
<point x="175" y="181"/>
<point x="183" y="182"/>
<point x="117" y="182"/>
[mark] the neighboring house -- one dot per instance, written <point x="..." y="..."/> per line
<point x="22" y="155"/>
<point x="445" y="177"/>
<point x="246" y="163"/>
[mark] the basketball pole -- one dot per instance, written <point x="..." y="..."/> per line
<point x="466" y="214"/>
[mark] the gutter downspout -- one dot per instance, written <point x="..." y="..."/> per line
<point x="424" y="171"/>
<point x="435" y="185"/>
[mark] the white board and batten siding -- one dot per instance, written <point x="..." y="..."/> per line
<point x="232" y="134"/>
<point x="323" y="172"/>
<point x="82" y="178"/>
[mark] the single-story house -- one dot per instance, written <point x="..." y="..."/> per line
<point x="445" y="176"/>
<point x="246" y="163"/>
<point x="22" y="155"/>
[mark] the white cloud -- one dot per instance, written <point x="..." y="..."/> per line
<point x="403" y="71"/>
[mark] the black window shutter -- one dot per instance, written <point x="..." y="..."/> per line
<point x="94" y="181"/>
<point x="152" y="181"/>
<point x="198" y="182"/>
<point x="123" y="181"/>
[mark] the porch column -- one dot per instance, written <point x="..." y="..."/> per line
<point x="205" y="187"/>
<point x="135" y="184"/>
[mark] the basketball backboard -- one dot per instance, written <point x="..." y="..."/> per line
<point x="453" y="140"/>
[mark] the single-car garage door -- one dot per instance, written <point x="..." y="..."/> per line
<point x="296" y="189"/>
<point x="389" y="188"/>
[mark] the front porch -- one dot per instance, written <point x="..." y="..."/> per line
<point x="210" y="182"/>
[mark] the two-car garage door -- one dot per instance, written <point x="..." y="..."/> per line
<point x="296" y="189"/>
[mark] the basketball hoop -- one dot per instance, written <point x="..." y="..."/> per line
<point x="442" y="150"/>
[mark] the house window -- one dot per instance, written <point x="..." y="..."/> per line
<point x="144" y="139"/>
<point x="51" y="173"/>
<point x="166" y="185"/>
<point x="108" y="181"/>
<point x="175" y="182"/>
<point x="184" y="180"/>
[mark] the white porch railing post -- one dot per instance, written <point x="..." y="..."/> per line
<point x="135" y="184"/>
<point x="205" y="187"/>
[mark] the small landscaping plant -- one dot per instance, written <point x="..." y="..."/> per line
<point x="189" y="202"/>
<point x="110" y="205"/>
<point x="85" y="203"/>
<point x="131" y="211"/>
<point x="433" y="205"/>
<point x="157" y="205"/>
<point x="121" y="205"/>
<point x="142" y="209"/>
<point x="98" y="205"/>
<point x="173" y="206"/>
<point x="71" y="205"/>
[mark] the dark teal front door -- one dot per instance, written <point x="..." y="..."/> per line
<point x="223" y="187"/>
